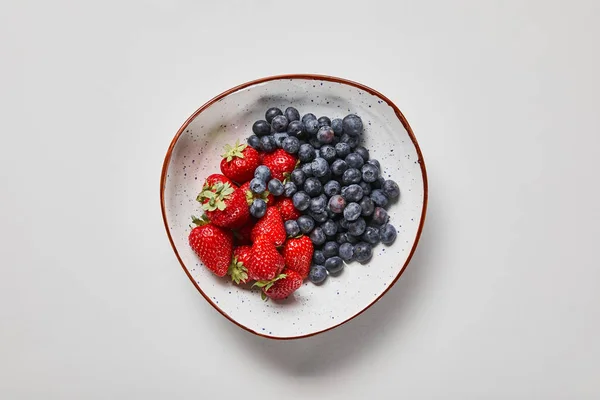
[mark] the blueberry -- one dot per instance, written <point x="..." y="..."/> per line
<point x="357" y="228"/>
<point x="258" y="208"/>
<point x="352" y="212"/>
<point x="314" y="142"/>
<point x="319" y="216"/>
<point x="263" y="173"/>
<point x="330" y="249"/>
<point x="291" y="145"/>
<point x="312" y="186"/>
<point x="337" y="126"/>
<point x="379" y="198"/>
<point x="342" y="149"/>
<point x="344" y="191"/>
<point x="254" y="142"/>
<point x="307" y="169"/>
<point x="292" y="228"/>
<point x="317" y="236"/>
<point x="370" y="173"/>
<point x="338" y="167"/>
<point x="351" y="141"/>
<point x="337" y="204"/>
<point x="328" y="153"/>
<point x="261" y="128"/>
<point x="375" y="163"/>
<point x="346" y="252"/>
<point x="257" y="185"/>
<point x="308" y="116"/>
<point x="329" y="227"/>
<point x="327" y="177"/>
<point x="273" y="112"/>
<point x="351" y="175"/>
<point x="311" y="126"/>
<point x="306" y="223"/>
<point x="268" y="143"/>
<point x="298" y="177"/>
<point x="371" y="235"/>
<point x="363" y="252"/>
<point x="318" y="257"/>
<point x="353" y="193"/>
<point x="366" y="188"/>
<point x="378" y="184"/>
<point x="367" y="206"/>
<point x="391" y="189"/>
<point x="353" y="239"/>
<point x="354" y="160"/>
<point x="363" y="152"/>
<point x="279" y="123"/>
<point x="388" y="234"/>
<point x="306" y="153"/>
<point x="295" y="128"/>
<point x="319" y="167"/>
<point x="341" y="237"/>
<point x="275" y="187"/>
<point x="289" y="189"/>
<point x="325" y="134"/>
<point x="380" y="216"/>
<point x="342" y="225"/>
<point x="334" y="265"/>
<point x="301" y="200"/>
<point x="291" y="114"/>
<point x="317" y="274"/>
<point x="331" y="188"/>
<point x="318" y="204"/>
<point x="324" y="121"/>
<point x="352" y="125"/>
<point x="279" y="138"/>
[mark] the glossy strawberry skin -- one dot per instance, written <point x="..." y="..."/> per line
<point x="214" y="247"/>
<point x="284" y="287"/>
<point x="235" y="214"/>
<point x="279" y="162"/>
<point x="241" y="169"/>
<point x="239" y="264"/>
<point x="270" y="226"/>
<point x="216" y="178"/>
<point x="265" y="261"/>
<point x="298" y="253"/>
<point x="287" y="209"/>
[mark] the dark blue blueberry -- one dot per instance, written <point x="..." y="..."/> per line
<point x="338" y="167"/>
<point x="317" y="236"/>
<point x="329" y="227"/>
<point x="363" y="152"/>
<point x="378" y="184"/>
<point x="298" y="177"/>
<point x="343" y="191"/>
<point x="353" y="193"/>
<point x="341" y="237"/>
<point x="319" y="167"/>
<point x="350" y="176"/>
<point x="388" y="234"/>
<point x="337" y="126"/>
<point x="318" y="204"/>
<point x="330" y="249"/>
<point x="307" y="169"/>
<point x="346" y="252"/>
<point x="291" y="145"/>
<point x="311" y="126"/>
<point x="391" y="189"/>
<point x="317" y="274"/>
<point x="261" y="128"/>
<point x="254" y="142"/>
<point x="312" y="186"/>
<point x="263" y="173"/>
<point x="379" y="198"/>
<point x="327" y="177"/>
<point x="380" y="216"/>
<point x="375" y="163"/>
<point x="275" y="187"/>
<point x="318" y="257"/>
<point x="314" y="142"/>
<point x="352" y="125"/>
<point x="301" y="200"/>
<point x="296" y="129"/>
<point x="363" y="252"/>
<point x="258" y="208"/>
<point x="354" y="160"/>
<point x="308" y="116"/>
<point x="331" y="188"/>
<point x="342" y="225"/>
<point x="366" y="188"/>
<point x="306" y="223"/>
<point x="272" y="113"/>
<point x="352" y="212"/>
<point x="334" y="265"/>
<point x="257" y="185"/>
<point x="319" y="216"/>
<point x="370" y="173"/>
<point x="342" y="149"/>
<point x="292" y="114"/>
<point x="279" y="123"/>
<point x="324" y="121"/>
<point x="371" y="235"/>
<point x="353" y="239"/>
<point x="367" y="206"/>
<point x="336" y="204"/>
<point x="306" y="153"/>
<point x="292" y="228"/>
<point x="328" y="153"/>
<point x="279" y="138"/>
<point x="268" y="143"/>
<point x="289" y="189"/>
<point x="325" y="134"/>
<point x="351" y="141"/>
<point x="357" y="228"/>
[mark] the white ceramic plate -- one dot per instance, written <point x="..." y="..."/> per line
<point x="195" y="153"/>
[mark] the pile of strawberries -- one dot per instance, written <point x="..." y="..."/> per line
<point x="229" y="241"/>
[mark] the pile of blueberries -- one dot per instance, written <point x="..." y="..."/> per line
<point x="338" y="188"/>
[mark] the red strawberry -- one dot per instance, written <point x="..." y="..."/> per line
<point x="287" y="209"/>
<point x="216" y="178"/>
<point x="212" y="244"/>
<point x="239" y="162"/>
<point x="282" y="286"/>
<point x="265" y="261"/>
<point x="238" y="269"/>
<point x="279" y="162"/>
<point x="266" y="196"/>
<point x="242" y="236"/>
<point x="224" y="205"/>
<point x="298" y="253"/>
<point x="270" y="226"/>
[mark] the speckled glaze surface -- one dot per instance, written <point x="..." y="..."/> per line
<point x="195" y="154"/>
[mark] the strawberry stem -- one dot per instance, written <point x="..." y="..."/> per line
<point x="235" y="151"/>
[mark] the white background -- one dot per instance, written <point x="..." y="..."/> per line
<point x="502" y="299"/>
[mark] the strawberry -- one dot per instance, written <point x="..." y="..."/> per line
<point x="298" y="253"/>
<point x="241" y="236"/>
<point x="270" y="226"/>
<point x="287" y="209"/>
<point x="280" y="162"/>
<point x="238" y="269"/>
<point x="239" y="162"/>
<point x="282" y="286"/>
<point x="212" y="244"/>
<point x="265" y="261"/>
<point x="266" y="196"/>
<point x="216" y="178"/>
<point x="225" y="205"/>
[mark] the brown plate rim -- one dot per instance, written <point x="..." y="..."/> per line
<point x="328" y="78"/>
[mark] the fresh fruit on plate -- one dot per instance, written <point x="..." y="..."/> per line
<point x="224" y="204"/>
<point x="239" y="162"/>
<point x="212" y="244"/>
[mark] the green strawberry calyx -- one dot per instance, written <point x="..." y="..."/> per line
<point x="203" y="220"/>
<point x="213" y="197"/>
<point x="266" y="285"/>
<point x="237" y="271"/>
<point x="235" y="151"/>
<point x="251" y="196"/>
